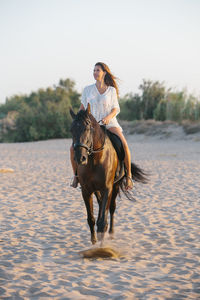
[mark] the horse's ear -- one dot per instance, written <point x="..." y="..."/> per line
<point x="88" y="109"/>
<point x="72" y="113"/>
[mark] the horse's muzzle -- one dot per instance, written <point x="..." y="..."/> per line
<point x="80" y="157"/>
<point x="82" y="160"/>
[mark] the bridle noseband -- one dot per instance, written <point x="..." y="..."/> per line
<point x="90" y="150"/>
<point x="80" y="145"/>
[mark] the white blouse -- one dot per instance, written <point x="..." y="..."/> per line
<point x="101" y="104"/>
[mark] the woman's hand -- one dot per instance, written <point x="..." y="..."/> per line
<point x="106" y="120"/>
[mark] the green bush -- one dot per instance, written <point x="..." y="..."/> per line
<point x="160" y="113"/>
<point x="41" y="115"/>
<point x="157" y="102"/>
<point x="45" y="114"/>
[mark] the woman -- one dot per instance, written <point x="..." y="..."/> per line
<point x="104" y="105"/>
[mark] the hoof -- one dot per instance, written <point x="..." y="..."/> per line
<point x="94" y="240"/>
<point x="100" y="236"/>
<point x="111" y="235"/>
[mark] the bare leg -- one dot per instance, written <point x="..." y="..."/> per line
<point x="74" y="167"/>
<point x="127" y="159"/>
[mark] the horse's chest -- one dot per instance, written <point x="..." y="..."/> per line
<point x="93" y="174"/>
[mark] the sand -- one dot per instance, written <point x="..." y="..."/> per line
<point x="43" y="226"/>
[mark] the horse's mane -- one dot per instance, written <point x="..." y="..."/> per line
<point x="86" y="117"/>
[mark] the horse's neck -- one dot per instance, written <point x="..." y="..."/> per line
<point x="98" y="137"/>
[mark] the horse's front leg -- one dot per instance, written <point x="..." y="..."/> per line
<point x="88" y="199"/>
<point x="102" y="223"/>
<point x="99" y="200"/>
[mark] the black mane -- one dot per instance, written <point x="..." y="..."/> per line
<point x="86" y="117"/>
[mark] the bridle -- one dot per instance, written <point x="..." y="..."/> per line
<point x="90" y="149"/>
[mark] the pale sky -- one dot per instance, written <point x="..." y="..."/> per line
<point x="42" y="41"/>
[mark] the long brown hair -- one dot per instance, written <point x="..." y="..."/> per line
<point x="110" y="79"/>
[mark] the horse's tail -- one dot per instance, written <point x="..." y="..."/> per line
<point x="138" y="174"/>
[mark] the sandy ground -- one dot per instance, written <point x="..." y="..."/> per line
<point x="43" y="226"/>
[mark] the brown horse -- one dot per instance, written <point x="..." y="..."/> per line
<point x="97" y="162"/>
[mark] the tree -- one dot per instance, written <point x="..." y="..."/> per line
<point x="130" y="107"/>
<point x="41" y="115"/>
<point x="176" y="103"/>
<point x="152" y="94"/>
<point x="160" y="113"/>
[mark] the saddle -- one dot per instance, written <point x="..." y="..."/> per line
<point x="118" y="146"/>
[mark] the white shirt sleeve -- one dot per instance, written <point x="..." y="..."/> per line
<point x="83" y="98"/>
<point x="115" y="103"/>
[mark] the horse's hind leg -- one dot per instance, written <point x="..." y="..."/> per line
<point x="112" y="209"/>
<point x="90" y="216"/>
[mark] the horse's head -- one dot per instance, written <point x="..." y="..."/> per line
<point x="82" y="135"/>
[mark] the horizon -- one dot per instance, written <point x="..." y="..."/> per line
<point x="44" y="42"/>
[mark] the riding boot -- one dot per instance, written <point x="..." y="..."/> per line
<point x="75" y="182"/>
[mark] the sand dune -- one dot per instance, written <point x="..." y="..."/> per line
<point x="43" y="226"/>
